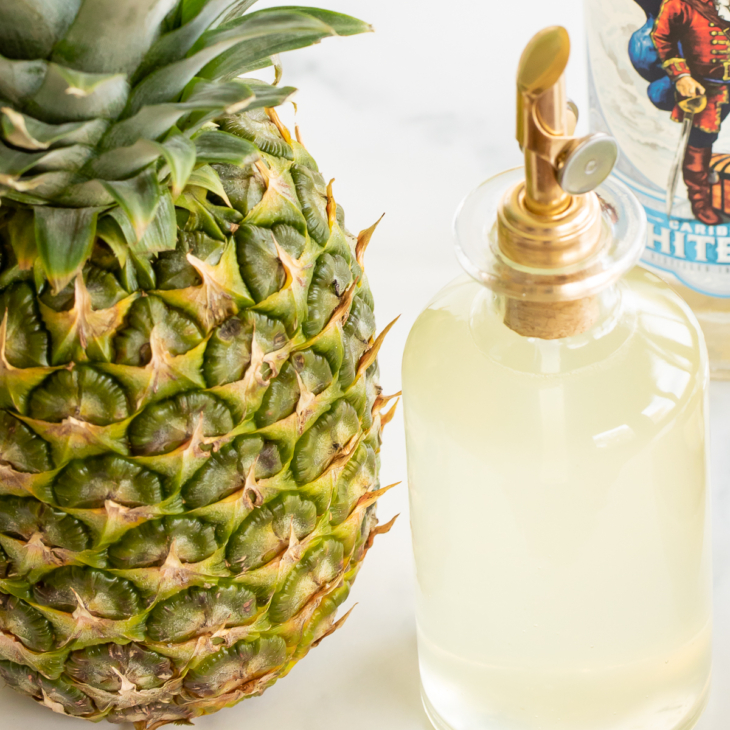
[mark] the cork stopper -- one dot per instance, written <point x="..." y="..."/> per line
<point x="551" y="320"/>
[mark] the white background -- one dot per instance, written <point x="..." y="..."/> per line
<point x="409" y="120"/>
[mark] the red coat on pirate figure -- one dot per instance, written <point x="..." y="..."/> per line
<point x="693" y="41"/>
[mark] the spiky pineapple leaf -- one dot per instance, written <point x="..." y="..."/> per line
<point x="152" y="122"/>
<point x="207" y="178"/>
<point x="14" y="162"/>
<point x="110" y="231"/>
<point x="277" y="32"/>
<point x="138" y="198"/>
<point x="168" y="82"/>
<point x="42" y="22"/>
<point x="64" y="237"/>
<point x="30" y="134"/>
<point x="268" y="95"/>
<point x="124" y="162"/>
<point x="179" y="153"/>
<point x="161" y="234"/>
<point x="123" y="33"/>
<point x="343" y="25"/>
<point x="22" y="239"/>
<point x="73" y="96"/>
<point x="197" y="17"/>
<point x="19" y="80"/>
<point x="220" y="147"/>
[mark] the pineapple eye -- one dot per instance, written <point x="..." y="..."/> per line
<point x="244" y="186"/>
<point x="23" y="450"/>
<point x="225" y="472"/>
<point x="59" y="691"/>
<point x="197" y="611"/>
<point x="173" y="269"/>
<point x="319" y="445"/>
<point x="190" y="539"/>
<point x="321" y="565"/>
<point x="267" y="531"/>
<point x="228" y="353"/>
<point x="313" y="369"/>
<point x="312" y="195"/>
<point x="103" y="667"/>
<point x="280" y="399"/>
<point x="290" y="239"/>
<point x="89" y="484"/>
<point x="82" y="393"/>
<point x="260" y="266"/>
<point x="153" y="326"/>
<point x="256" y="127"/>
<point x="25" y="622"/>
<point x="23" y="519"/>
<point x="358" y="477"/>
<point x="164" y="427"/>
<point x="332" y="277"/>
<point x="229" y="668"/>
<point x="26" y="340"/>
<point x="358" y="330"/>
<point x="102" y="594"/>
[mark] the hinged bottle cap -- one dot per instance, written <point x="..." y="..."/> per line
<point x="556" y="232"/>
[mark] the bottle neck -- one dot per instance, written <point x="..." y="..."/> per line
<point x="613" y="322"/>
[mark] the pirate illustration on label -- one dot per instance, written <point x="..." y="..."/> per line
<point x="684" y="50"/>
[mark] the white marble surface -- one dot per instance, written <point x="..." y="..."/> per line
<point x="409" y="120"/>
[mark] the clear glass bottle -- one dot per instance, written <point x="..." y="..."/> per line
<point x="555" y="405"/>
<point x="660" y="84"/>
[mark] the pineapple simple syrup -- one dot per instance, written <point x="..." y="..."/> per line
<point x="556" y="405"/>
<point x="660" y="84"/>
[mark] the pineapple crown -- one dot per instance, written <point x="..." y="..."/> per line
<point x="106" y="109"/>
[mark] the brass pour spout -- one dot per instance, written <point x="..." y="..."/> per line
<point x="553" y="219"/>
<point x="543" y="115"/>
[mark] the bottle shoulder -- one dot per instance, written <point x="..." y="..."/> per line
<point x="649" y="350"/>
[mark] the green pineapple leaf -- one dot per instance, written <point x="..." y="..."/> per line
<point x="27" y="133"/>
<point x="168" y="82"/>
<point x="138" y="198"/>
<point x="111" y="36"/>
<point x="220" y="147"/>
<point x="206" y="177"/>
<point x="64" y="237"/>
<point x="161" y="234"/>
<point x="343" y="25"/>
<point x="43" y="23"/>
<point x="72" y="96"/>
<point x="270" y="32"/>
<point x="19" y="80"/>
<point x="197" y="17"/>
<point x="179" y="153"/>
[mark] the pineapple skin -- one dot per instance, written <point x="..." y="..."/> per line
<point x="188" y="448"/>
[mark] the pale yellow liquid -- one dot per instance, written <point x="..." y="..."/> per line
<point x="560" y="515"/>
<point x="713" y="314"/>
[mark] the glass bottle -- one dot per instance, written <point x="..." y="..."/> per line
<point x="555" y="404"/>
<point x="660" y="84"/>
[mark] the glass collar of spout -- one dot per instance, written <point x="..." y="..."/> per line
<point x="477" y="246"/>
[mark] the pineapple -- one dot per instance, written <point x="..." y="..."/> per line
<point x="190" y="418"/>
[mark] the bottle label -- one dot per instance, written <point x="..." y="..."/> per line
<point x="660" y="84"/>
